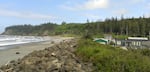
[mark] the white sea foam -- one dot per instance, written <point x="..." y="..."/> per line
<point x="13" y="40"/>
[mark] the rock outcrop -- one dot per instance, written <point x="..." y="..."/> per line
<point x="58" y="58"/>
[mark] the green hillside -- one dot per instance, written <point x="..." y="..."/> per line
<point x="129" y="27"/>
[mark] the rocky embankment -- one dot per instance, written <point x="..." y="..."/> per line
<point x="58" y="58"/>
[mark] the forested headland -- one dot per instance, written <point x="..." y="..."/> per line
<point x="130" y="27"/>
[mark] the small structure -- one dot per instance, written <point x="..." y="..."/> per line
<point x="133" y="42"/>
<point x="119" y="42"/>
<point x="101" y="40"/>
<point x="136" y="41"/>
<point x="108" y="37"/>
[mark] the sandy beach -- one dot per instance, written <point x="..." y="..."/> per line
<point x="10" y="54"/>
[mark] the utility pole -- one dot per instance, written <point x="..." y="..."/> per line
<point x="149" y="35"/>
<point x="127" y="30"/>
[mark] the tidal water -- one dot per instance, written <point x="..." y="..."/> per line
<point x="6" y="41"/>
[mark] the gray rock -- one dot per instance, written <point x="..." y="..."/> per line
<point x="58" y="58"/>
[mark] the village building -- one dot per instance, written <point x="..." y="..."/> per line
<point x="130" y="42"/>
<point x="134" y="42"/>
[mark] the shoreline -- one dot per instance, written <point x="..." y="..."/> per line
<point x="14" y="40"/>
<point x="7" y="47"/>
<point x="19" y="51"/>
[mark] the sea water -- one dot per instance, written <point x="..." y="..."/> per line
<point x="9" y="40"/>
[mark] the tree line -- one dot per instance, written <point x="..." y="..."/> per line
<point x="130" y="26"/>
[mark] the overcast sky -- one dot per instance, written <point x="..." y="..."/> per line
<point x="14" y="12"/>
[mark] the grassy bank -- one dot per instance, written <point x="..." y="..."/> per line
<point x="110" y="59"/>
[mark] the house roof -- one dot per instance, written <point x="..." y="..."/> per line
<point x="100" y="40"/>
<point x="137" y="38"/>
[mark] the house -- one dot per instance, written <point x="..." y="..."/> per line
<point x="134" y="42"/>
<point x="119" y="42"/>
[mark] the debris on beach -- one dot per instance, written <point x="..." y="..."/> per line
<point x="58" y="58"/>
<point x="17" y="52"/>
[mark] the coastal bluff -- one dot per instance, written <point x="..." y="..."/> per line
<point x="58" y="58"/>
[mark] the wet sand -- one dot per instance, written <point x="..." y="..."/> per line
<point x="10" y="54"/>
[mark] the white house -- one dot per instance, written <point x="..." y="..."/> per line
<point x="134" y="42"/>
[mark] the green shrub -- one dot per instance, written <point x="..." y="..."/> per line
<point x="110" y="59"/>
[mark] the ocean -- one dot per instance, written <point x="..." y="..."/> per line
<point x="6" y="41"/>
